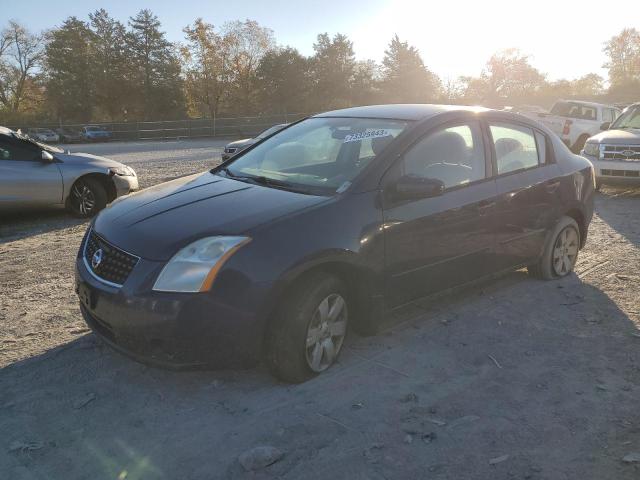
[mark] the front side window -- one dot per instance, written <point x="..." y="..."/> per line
<point x="317" y="154"/>
<point x="13" y="149"/>
<point x="515" y="147"/>
<point x="453" y="155"/>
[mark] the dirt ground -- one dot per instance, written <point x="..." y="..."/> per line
<point x="514" y="379"/>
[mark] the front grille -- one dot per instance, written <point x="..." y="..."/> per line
<point x="624" y="153"/>
<point x="115" y="264"/>
<point x="621" y="173"/>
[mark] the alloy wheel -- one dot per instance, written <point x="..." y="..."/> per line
<point x="326" y="332"/>
<point x="83" y="199"/>
<point x="565" y="251"/>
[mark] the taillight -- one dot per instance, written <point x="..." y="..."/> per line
<point x="567" y="127"/>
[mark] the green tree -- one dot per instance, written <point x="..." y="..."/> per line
<point x="204" y="65"/>
<point x="69" y="70"/>
<point x="332" y="67"/>
<point x="156" y="80"/>
<point x="111" y="73"/>
<point x="364" y="88"/>
<point x="283" y="81"/>
<point x="405" y="78"/>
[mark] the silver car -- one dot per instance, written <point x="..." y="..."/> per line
<point x="33" y="174"/>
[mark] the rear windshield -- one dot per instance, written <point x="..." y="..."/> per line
<point x="319" y="155"/>
<point x="574" y="110"/>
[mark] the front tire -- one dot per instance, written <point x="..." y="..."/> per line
<point x="87" y="198"/>
<point x="560" y="252"/>
<point x="307" y="333"/>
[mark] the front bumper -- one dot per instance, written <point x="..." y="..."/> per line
<point x="125" y="184"/>
<point x="176" y="330"/>
<point x="611" y="171"/>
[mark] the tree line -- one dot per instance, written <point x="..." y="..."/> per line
<point x="100" y="69"/>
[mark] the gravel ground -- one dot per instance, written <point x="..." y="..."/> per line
<point x="513" y="379"/>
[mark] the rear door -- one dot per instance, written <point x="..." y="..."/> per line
<point x="432" y="244"/>
<point x="26" y="179"/>
<point x="528" y="189"/>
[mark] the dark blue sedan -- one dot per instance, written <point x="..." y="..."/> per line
<point x="328" y="225"/>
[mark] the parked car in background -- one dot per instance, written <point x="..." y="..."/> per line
<point x="574" y="121"/>
<point x="615" y="153"/>
<point x="329" y="224"/>
<point x="70" y="135"/>
<point x="236" y="147"/>
<point x="43" y="135"/>
<point x="526" y="109"/>
<point x="33" y="174"/>
<point x="93" y="133"/>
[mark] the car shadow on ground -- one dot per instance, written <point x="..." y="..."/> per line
<point x="516" y="378"/>
<point x="24" y="224"/>
<point x="619" y="209"/>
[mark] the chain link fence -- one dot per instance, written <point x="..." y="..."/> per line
<point x="175" y="129"/>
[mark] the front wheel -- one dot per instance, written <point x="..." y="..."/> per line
<point x="87" y="198"/>
<point x="307" y="333"/>
<point x="560" y="252"/>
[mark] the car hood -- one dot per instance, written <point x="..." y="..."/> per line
<point x="87" y="158"/>
<point x="156" y="222"/>
<point x="618" y="137"/>
<point x="241" y="143"/>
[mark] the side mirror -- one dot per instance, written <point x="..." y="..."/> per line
<point x="412" y="187"/>
<point x="605" y="126"/>
<point x="46" y="156"/>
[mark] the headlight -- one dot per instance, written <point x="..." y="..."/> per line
<point x="194" y="268"/>
<point x="592" y="149"/>
<point x="123" y="171"/>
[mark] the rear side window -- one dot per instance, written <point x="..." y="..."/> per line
<point x="515" y="146"/>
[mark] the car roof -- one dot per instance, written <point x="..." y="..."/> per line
<point x="589" y="104"/>
<point x="409" y="111"/>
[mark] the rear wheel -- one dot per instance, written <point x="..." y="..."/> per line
<point x="307" y="333"/>
<point x="560" y="252"/>
<point x="87" y="198"/>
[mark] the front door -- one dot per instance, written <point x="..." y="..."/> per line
<point x="432" y="244"/>
<point x="26" y="179"/>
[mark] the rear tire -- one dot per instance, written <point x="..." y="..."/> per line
<point x="307" y="332"/>
<point x="87" y="198"/>
<point x="560" y="252"/>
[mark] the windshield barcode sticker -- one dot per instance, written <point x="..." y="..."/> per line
<point x="356" y="137"/>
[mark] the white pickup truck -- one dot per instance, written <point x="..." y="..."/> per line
<point x="575" y="121"/>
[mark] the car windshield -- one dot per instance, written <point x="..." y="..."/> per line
<point x="317" y="155"/>
<point x="271" y="130"/>
<point x="629" y="119"/>
<point x="93" y="129"/>
<point x="43" y="146"/>
<point x="574" y="110"/>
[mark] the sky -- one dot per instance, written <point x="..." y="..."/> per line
<point x="564" y="38"/>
